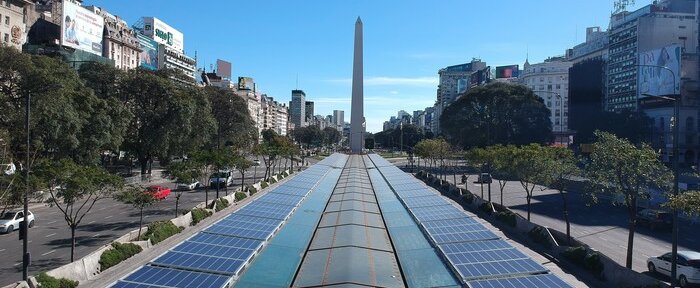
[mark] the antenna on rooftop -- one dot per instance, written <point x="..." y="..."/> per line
<point x="297" y="85"/>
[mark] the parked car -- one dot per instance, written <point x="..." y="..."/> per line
<point x="655" y="218"/>
<point x="484" y="178"/>
<point x="8" y="169"/>
<point x="687" y="268"/>
<point x="222" y="179"/>
<point x="10" y="220"/>
<point x="187" y="186"/>
<point x="159" y="192"/>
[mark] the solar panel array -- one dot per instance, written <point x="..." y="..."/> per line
<point x="479" y="257"/>
<point x="215" y="256"/>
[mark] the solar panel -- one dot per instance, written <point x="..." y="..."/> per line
<point x="414" y="193"/>
<point x="122" y="284"/>
<point x="463" y="236"/>
<point x="165" y="277"/>
<point x="277" y="198"/>
<point x="487" y="245"/>
<point x="266" y="210"/>
<point x="202" y="263"/>
<point x="213" y="250"/>
<point x="437" y="213"/>
<point x="293" y="190"/>
<point x="540" y="281"/>
<point x="425" y="201"/>
<point x="253" y="232"/>
<point x="459" y="222"/>
<point x="226" y="241"/>
<point x="469" y="271"/>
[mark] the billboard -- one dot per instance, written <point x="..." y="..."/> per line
<point x="658" y="81"/>
<point x="460" y="68"/>
<point x="81" y="28"/>
<point x="462" y="85"/>
<point x="245" y="83"/>
<point x="509" y="71"/>
<point x="223" y="68"/>
<point x="149" y="53"/>
<point x="480" y="77"/>
<point x="163" y="33"/>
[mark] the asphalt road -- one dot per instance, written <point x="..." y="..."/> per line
<point x="49" y="239"/>
<point x="601" y="226"/>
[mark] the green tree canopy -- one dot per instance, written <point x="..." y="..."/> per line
<point x="497" y="113"/>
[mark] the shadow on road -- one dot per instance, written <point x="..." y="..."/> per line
<point x="80" y="241"/>
<point x="95" y="227"/>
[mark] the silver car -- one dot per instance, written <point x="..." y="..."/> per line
<point x="10" y="220"/>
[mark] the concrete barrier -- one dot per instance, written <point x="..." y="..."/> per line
<point x="83" y="269"/>
<point x="183" y="221"/>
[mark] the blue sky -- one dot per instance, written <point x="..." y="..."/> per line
<point x="406" y="41"/>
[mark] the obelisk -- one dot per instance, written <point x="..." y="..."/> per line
<point x="357" y="117"/>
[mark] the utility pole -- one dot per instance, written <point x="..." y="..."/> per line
<point x="25" y="223"/>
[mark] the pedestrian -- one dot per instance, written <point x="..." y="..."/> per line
<point x="464" y="178"/>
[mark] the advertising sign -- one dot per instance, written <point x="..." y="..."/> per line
<point x="460" y="68"/>
<point x="656" y="80"/>
<point x="462" y="85"/>
<point x="480" y="77"/>
<point x="149" y="53"/>
<point x="163" y="33"/>
<point x="509" y="71"/>
<point x="81" y="28"/>
<point x="223" y="68"/>
<point x="245" y="83"/>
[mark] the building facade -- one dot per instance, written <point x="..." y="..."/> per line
<point x="651" y="27"/>
<point x="297" y="109"/>
<point x="550" y="81"/>
<point x="120" y="42"/>
<point x="339" y="119"/>
<point x="274" y="115"/>
<point x="14" y="22"/>
<point x="454" y="81"/>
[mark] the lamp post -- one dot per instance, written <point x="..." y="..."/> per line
<point x="676" y="133"/>
<point x="25" y="223"/>
<point x="561" y="109"/>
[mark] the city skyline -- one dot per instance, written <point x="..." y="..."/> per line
<point x="400" y="72"/>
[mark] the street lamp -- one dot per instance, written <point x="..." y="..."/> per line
<point x="676" y="134"/>
<point x="561" y="110"/>
<point x="24" y="225"/>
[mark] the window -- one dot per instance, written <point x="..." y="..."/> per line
<point x="7" y="20"/>
<point x="6" y="38"/>
<point x="7" y="3"/>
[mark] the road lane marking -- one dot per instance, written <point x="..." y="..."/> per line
<point x="2" y="250"/>
<point x="110" y="216"/>
<point x="47" y="253"/>
<point x="124" y="212"/>
<point x="47" y="236"/>
<point x="98" y="234"/>
<point x="54" y="221"/>
<point x="91" y="222"/>
<point x="17" y="264"/>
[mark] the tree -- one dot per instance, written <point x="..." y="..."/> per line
<point x="503" y="167"/>
<point x="688" y="202"/>
<point x="628" y="170"/>
<point x="75" y="189"/>
<point x="182" y="172"/>
<point x="242" y="164"/>
<point x="559" y="165"/>
<point x="139" y="198"/>
<point x="331" y="136"/>
<point x="234" y="125"/>
<point x="497" y="113"/>
<point x="529" y="165"/>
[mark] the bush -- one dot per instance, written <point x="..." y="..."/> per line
<point x="507" y="217"/>
<point x="252" y="190"/>
<point x="240" y="196"/>
<point x="47" y="281"/>
<point x="161" y="230"/>
<point x="117" y="254"/>
<point x="486" y="207"/>
<point x="445" y="186"/>
<point x="264" y="185"/>
<point x="538" y="234"/>
<point x="221" y="204"/>
<point x="589" y="261"/>
<point x="592" y="264"/>
<point x="467" y="197"/>
<point x="420" y="174"/>
<point x="199" y="214"/>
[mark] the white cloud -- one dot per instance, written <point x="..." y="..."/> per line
<point x="394" y="92"/>
<point x="387" y="81"/>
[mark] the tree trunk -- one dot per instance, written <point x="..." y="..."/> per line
<point x="255" y="173"/>
<point x="502" y="185"/>
<point x="177" y="203"/>
<point x="566" y="217"/>
<point x="206" y="193"/>
<point x="528" y="198"/>
<point x="140" y="223"/>
<point x="72" y="243"/>
<point x="242" y="180"/>
<point x="144" y="165"/>
<point x="632" y="207"/>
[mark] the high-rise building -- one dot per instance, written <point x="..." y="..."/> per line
<point x="339" y="119"/>
<point x="454" y="81"/>
<point x="14" y="17"/>
<point x="654" y="26"/>
<point x="550" y="81"/>
<point x="274" y="115"/>
<point x="309" y="111"/>
<point x="171" y="53"/>
<point x="120" y="42"/>
<point x="297" y="109"/>
<point x="587" y="83"/>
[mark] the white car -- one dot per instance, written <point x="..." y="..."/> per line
<point x="10" y="220"/>
<point x="687" y="269"/>
<point x="188" y="186"/>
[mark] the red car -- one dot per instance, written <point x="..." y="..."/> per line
<point x="159" y="192"/>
